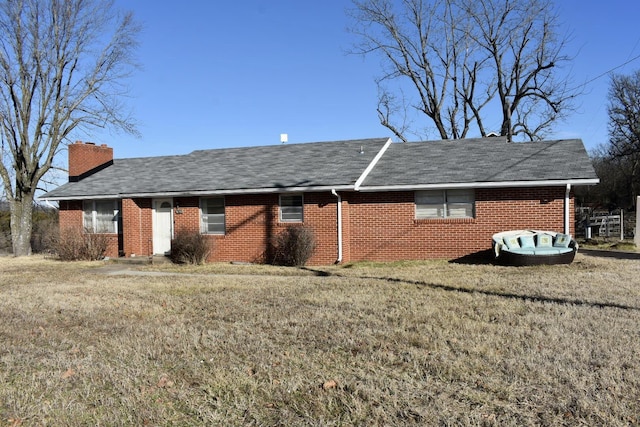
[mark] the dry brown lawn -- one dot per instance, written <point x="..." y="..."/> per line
<point x="428" y="343"/>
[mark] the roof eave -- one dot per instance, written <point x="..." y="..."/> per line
<point x="198" y="193"/>
<point x="490" y="184"/>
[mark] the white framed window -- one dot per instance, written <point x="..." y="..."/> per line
<point x="212" y="219"/>
<point x="445" y="204"/>
<point x="291" y="208"/>
<point x="101" y="216"/>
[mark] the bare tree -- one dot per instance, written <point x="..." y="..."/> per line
<point x="624" y="126"/>
<point x="463" y="57"/>
<point x="63" y="64"/>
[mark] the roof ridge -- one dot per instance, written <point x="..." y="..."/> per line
<point x="297" y="144"/>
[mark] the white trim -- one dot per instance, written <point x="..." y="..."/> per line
<point x="406" y="187"/>
<point x="205" y="193"/>
<point x="373" y="163"/>
<point x="495" y="184"/>
<point x="339" y="219"/>
<point x="154" y="224"/>
<point x="567" y="217"/>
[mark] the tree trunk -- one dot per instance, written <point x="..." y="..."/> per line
<point x="21" y="225"/>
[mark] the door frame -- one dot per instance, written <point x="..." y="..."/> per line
<point x="155" y="227"/>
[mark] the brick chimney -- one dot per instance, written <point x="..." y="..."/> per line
<point x="86" y="158"/>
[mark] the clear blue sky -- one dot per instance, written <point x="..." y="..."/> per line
<point x="224" y="74"/>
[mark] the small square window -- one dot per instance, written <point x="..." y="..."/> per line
<point x="291" y="207"/>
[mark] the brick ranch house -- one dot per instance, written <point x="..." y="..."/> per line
<point x="368" y="199"/>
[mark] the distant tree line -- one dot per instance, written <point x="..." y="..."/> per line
<point x="617" y="162"/>
<point x="45" y="228"/>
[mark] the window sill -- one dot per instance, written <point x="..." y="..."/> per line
<point x="444" y="221"/>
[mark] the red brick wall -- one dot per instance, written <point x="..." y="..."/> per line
<point x="70" y="214"/>
<point x="383" y="225"/>
<point x="137" y="227"/>
<point x="84" y="157"/>
<point x="251" y="221"/>
<point x="376" y="226"/>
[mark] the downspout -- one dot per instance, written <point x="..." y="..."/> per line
<point x="333" y="191"/>
<point x="567" y="217"/>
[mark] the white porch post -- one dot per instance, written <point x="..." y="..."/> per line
<point x="567" y="210"/>
<point x="339" y="219"/>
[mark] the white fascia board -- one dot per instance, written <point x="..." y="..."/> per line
<point x="495" y="184"/>
<point x="371" y="165"/>
<point x="208" y="193"/>
<point x="93" y="197"/>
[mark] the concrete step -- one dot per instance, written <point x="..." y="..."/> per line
<point x="156" y="259"/>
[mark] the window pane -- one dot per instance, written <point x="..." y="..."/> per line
<point x="291" y="213"/>
<point x="430" y="211"/>
<point x="87" y="214"/>
<point x="215" y="206"/>
<point x="430" y="197"/>
<point x="105" y="216"/>
<point x="429" y="204"/>
<point x="290" y="200"/>
<point x="291" y="208"/>
<point x="460" y="210"/>
<point x="213" y="221"/>
<point x="460" y="203"/>
<point x="460" y="196"/>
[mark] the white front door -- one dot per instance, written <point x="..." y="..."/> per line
<point x="162" y="226"/>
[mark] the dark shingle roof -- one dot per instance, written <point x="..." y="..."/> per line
<point x="284" y="166"/>
<point x="482" y="160"/>
<point x="338" y="164"/>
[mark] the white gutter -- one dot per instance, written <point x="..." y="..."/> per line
<point x="204" y="193"/>
<point x="567" y="216"/>
<point x="373" y="163"/>
<point x="333" y="191"/>
<point x="491" y="184"/>
<point x="50" y="205"/>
